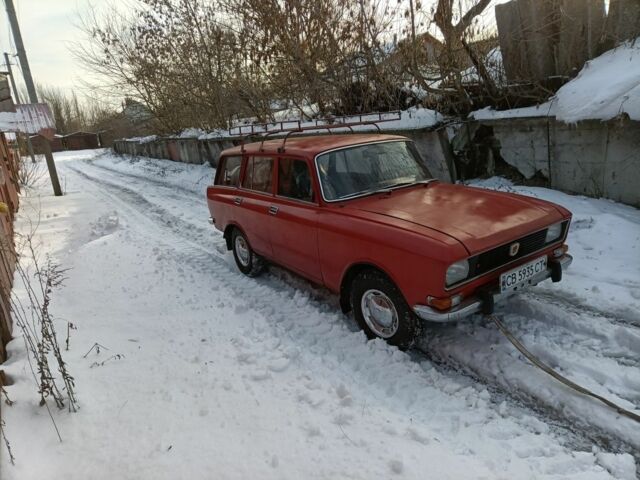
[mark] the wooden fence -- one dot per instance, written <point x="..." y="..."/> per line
<point x="9" y="189"/>
<point x="540" y="39"/>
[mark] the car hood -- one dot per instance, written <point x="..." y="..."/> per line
<point x="480" y="219"/>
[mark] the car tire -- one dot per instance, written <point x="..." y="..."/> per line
<point x="381" y="311"/>
<point x="247" y="260"/>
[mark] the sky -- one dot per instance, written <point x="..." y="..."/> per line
<point x="49" y="27"/>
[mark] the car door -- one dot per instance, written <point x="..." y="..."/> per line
<point x="221" y="196"/>
<point x="255" y="197"/>
<point x="293" y="226"/>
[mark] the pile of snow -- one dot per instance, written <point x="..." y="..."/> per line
<point x="147" y="139"/>
<point x="605" y="88"/>
<point x="191" y="133"/>
<point x="192" y="178"/>
<point x="306" y="112"/>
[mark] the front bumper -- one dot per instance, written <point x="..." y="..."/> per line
<point x="484" y="303"/>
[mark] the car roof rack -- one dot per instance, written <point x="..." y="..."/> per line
<point x="289" y="127"/>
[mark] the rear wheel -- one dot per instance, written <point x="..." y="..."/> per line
<point x="381" y="310"/>
<point x="247" y="260"/>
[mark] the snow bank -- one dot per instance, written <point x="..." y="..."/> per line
<point x="147" y="139"/>
<point x="191" y="133"/>
<point x="193" y="178"/>
<point x="308" y="111"/>
<point x="606" y="87"/>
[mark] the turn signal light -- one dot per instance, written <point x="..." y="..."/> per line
<point x="444" y="303"/>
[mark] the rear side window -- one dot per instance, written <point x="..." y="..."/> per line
<point x="294" y="180"/>
<point x="259" y="174"/>
<point x="229" y="168"/>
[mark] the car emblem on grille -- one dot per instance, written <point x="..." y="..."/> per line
<point x="513" y="249"/>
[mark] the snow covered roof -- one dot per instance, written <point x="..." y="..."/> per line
<point x="605" y="88"/>
<point x="28" y="118"/>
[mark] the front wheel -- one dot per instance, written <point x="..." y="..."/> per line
<point x="381" y="310"/>
<point x="247" y="260"/>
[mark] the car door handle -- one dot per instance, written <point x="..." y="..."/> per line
<point x="273" y="209"/>
<point x="237" y="200"/>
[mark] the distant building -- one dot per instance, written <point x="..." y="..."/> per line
<point x="80" y="141"/>
<point x="38" y="142"/>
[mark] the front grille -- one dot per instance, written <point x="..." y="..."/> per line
<point x="492" y="259"/>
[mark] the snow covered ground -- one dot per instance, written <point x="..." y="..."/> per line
<point x="222" y="376"/>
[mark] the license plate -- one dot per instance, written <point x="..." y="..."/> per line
<point x="520" y="277"/>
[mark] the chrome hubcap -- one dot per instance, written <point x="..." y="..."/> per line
<point x="379" y="313"/>
<point x="242" y="251"/>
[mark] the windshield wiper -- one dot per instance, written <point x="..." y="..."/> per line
<point x="387" y="189"/>
<point x="415" y="182"/>
<point x="428" y="181"/>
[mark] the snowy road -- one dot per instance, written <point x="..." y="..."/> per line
<point x="229" y="377"/>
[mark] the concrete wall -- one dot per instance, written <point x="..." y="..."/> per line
<point x="524" y="144"/>
<point x="433" y="147"/>
<point x="600" y="159"/>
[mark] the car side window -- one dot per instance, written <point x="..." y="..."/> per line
<point x="294" y="180"/>
<point x="259" y="174"/>
<point x="229" y="175"/>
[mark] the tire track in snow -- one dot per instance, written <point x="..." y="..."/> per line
<point x="197" y="252"/>
<point x="479" y="350"/>
<point x="592" y="334"/>
<point x="626" y="318"/>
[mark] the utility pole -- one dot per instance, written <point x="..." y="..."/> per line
<point x="22" y="54"/>
<point x="11" y="79"/>
<point x="31" y="89"/>
<point x="17" y="97"/>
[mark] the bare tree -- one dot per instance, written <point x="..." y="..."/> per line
<point x="177" y="57"/>
<point x="206" y="63"/>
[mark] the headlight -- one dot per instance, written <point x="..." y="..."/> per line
<point x="457" y="271"/>
<point x="553" y="232"/>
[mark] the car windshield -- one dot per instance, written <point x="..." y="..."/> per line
<point x="368" y="168"/>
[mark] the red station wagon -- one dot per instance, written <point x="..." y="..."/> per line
<point x="361" y="215"/>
